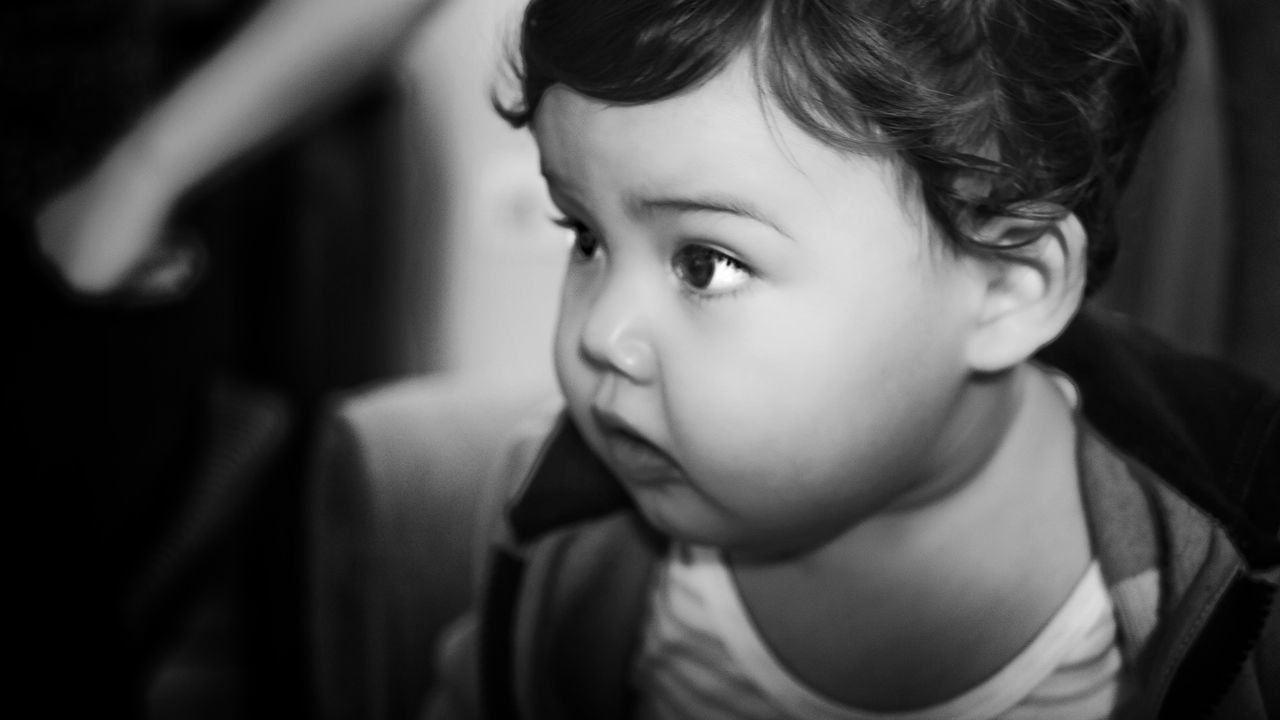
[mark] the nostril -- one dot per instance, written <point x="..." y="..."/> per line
<point x="592" y="353"/>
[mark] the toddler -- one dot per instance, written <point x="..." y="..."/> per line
<point x="836" y="440"/>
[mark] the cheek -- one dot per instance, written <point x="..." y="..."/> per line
<point x="802" y="389"/>
<point x="757" y="397"/>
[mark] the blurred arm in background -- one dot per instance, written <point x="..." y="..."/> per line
<point x="293" y="57"/>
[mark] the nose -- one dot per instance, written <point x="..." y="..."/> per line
<point x="615" y="334"/>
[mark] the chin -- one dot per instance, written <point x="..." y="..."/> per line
<point x="742" y="544"/>
<point x="683" y="524"/>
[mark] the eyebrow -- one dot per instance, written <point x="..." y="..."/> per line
<point x="699" y="203"/>
<point x="705" y="203"/>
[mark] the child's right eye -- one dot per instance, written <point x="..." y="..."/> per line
<point x="585" y="242"/>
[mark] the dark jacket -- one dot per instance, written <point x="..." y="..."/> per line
<point x="1180" y="466"/>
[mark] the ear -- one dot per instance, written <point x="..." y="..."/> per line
<point x="1031" y="292"/>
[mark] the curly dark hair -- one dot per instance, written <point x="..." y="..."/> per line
<point x="1024" y="108"/>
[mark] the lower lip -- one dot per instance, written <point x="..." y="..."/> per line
<point x="639" y="463"/>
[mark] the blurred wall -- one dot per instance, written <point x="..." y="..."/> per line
<point x="1200" y="251"/>
<point x="474" y="211"/>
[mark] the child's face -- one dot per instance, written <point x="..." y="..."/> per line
<point x="757" y="333"/>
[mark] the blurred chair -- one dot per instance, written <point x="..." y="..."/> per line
<point x="389" y="532"/>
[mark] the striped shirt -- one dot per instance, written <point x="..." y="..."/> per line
<point x="703" y="659"/>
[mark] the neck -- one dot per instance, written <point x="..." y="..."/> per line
<point x="982" y="496"/>
<point x="939" y="591"/>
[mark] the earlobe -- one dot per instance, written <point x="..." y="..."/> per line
<point x="1032" y="291"/>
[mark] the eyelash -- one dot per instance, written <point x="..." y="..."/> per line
<point x="581" y="231"/>
<point x="715" y="257"/>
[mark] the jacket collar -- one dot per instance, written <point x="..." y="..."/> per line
<point x="568" y="485"/>
<point x="1212" y="433"/>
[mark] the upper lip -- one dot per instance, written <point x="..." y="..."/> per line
<point x="615" y="427"/>
<point x="614" y="424"/>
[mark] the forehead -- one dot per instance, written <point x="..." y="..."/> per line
<point x="722" y="135"/>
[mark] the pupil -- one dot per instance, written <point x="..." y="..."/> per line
<point x="701" y="269"/>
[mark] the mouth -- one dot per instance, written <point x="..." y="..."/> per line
<point x="636" y="459"/>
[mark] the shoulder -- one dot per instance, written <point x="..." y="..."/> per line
<point x="1208" y="430"/>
